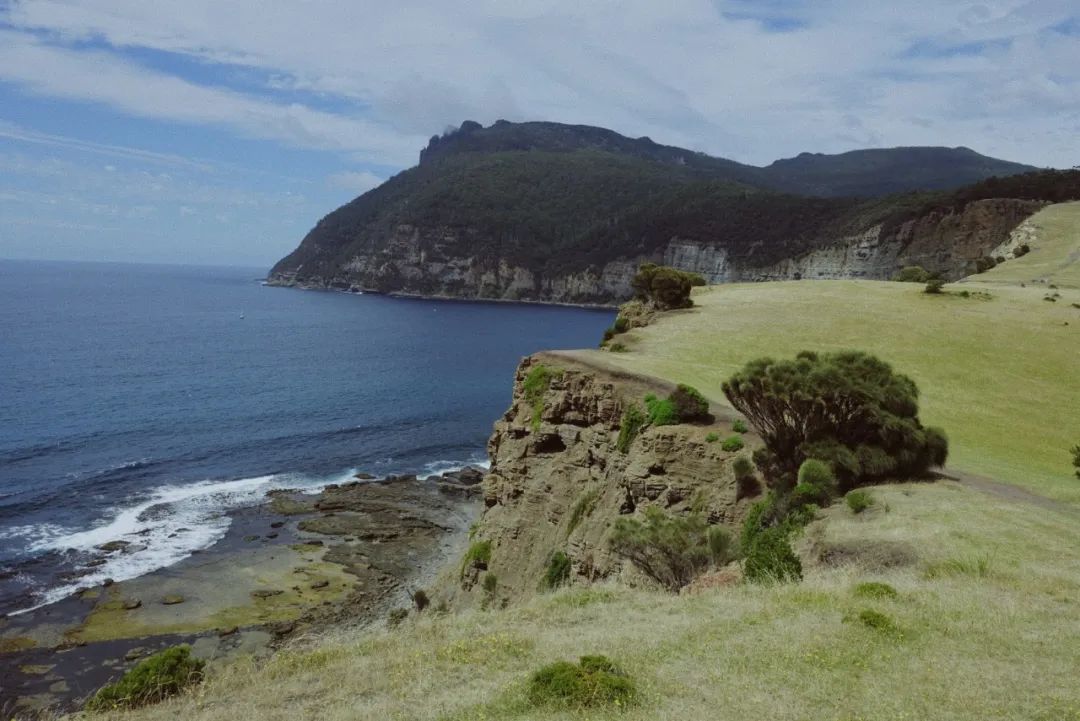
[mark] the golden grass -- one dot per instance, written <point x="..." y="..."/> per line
<point x="1001" y="644"/>
<point x="1055" y="253"/>
<point x="1000" y="375"/>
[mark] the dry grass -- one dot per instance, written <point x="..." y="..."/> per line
<point x="998" y="375"/>
<point x="1002" y="643"/>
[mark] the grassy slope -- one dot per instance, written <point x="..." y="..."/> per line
<point x="1055" y="256"/>
<point x="993" y="636"/>
<point x="996" y="374"/>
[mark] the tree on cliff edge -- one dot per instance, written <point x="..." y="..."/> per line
<point x="666" y="288"/>
<point x="848" y="409"/>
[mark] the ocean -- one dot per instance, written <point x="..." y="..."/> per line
<point x="143" y="403"/>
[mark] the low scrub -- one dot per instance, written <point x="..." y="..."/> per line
<point x="816" y="484"/>
<point x="558" y="570"/>
<point x="858" y="500"/>
<point x="746" y="482"/>
<point x="712" y="438"/>
<point x="671" y="550"/>
<point x="876" y="620"/>
<point x="977" y="567"/>
<point x="633" y="420"/>
<point x="478" y="556"/>
<point x="770" y="557"/>
<point x="535" y="386"/>
<point x="733" y="444"/>
<point x="739" y="426"/>
<point x="912" y="274"/>
<point x="1076" y="458"/>
<point x="154" y="679"/>
<point x="934" y="286"/>
<point x="876" y="590"/>
<point x="661" y="411"/>
<point x="690" y="406"/>
<point x="664" y="287"/>
<point x="595" y="681"/>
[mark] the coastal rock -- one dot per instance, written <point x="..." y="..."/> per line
<point x="113" y="546"/>
<point x="134" y="653"/>
<point x="363" y="476"/>
<point x="171" y="600"/>
<point x="130" y="604"/>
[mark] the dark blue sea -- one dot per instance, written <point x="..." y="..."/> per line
<point x="138" y="400"/>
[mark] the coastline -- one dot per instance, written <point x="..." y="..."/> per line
<point x="271" y="283"/>
<point x="290" y="565"/>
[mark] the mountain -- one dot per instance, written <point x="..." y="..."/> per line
<point x="565" y="213"/>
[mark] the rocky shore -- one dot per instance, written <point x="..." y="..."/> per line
<point x="295" y="564"/>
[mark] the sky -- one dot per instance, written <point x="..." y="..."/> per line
<point x="217" y="132"/>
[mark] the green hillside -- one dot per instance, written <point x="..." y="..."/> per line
<point x="1055" y="251"/>
<point x="993" y="372"/>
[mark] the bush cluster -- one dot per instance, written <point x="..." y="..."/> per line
<point x="912" y="274"/>
<point x="593" y="681"/>
<point x="671" y="550"/>
<point x="633" y="420"/>
<point x="848" y="409"/>
<point x="1021" y="250"/>
<point x="770" y="557"/>
<point x="661" y="411"/>
<point x="858" y="500"/>
<point x="690" y="406"/>
<point x="665" y="287"/>
<point x="733" y="444"/>
<point x="739" y="426"/>
<point x="746" y="482"/>
<point x="934" y="286"/>
<point x="558" y="570"/>
<point x="984" y="264"/>
<point x="154" y="679"/>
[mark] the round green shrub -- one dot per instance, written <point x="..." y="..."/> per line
<point x="875" y="589"/>
<point x="593" y="682"/>
<point x="732" y="444"/>
<point x="689" y="404"/>
<point x="739" y="426"/>
<point x="771" y="559"/>
<point x="912" y="274"/>
<point x="154" y="679"/>
<point x="858" y="500"/>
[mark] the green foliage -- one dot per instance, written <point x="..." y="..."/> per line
<point x="478" y="555"/>
<point x="618" y="348"/>
<point x="689" y="404"/>
<point x="621" y="324"/>
<point x="535" y="386"/>
<point x="633" y="420"/>
<point x="770" y="557"/>
<point x="984" y="264"/>
<point x="593" y="682"/>
<point x="742" y="466"/>
<point x="397" y="617"/>
<point x="1021" y="250"/>
<point x="420" y="599"/>
<point x="739" y="426"/>
<point x="490" y="583"/>
<point x="583" y="508"/>
<point x="671" y="550"/>
<point x="858" y="500"/>
<point x="977" y="567"/>
<point x="558" y="570"/>
<point x="875" y="589"/>
<point x="732" y="444"/>
<point x="665" y="287"/>
<point x="697" y="280"/>
<point x="934" y="286"/>
<point x="847" y="408"/>
<point x="712" y="438"/>
<point x="661" y="411"/>
<point x="720" y="545"/>
<point x="912" y="274"/>
<point x="877" y="621"/>
<point x="1076" y="459"/>
<point x="154" y="679"/>
<point x="816" y="484"/>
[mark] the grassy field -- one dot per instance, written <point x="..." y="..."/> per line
<point x="1055" y="254"/>
<point x="983" y="627"/>
<point x="1001" y="375"/>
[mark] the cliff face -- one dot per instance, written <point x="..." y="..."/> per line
<point x="435" y="262"/>
<point x="561" y="484"/>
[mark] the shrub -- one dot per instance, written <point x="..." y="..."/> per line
<point x="1076" y="459"/>
<point x="984" y="264"/>
<point x="621" y="324"/>
<point x="490" y="583"/>
<point x="671" y="550"/>
<point x="859" y="500"/>
<point x="739" y="426"/>
<point x="689" y="404"/>
<point x="582" y="507"/>
<point x="770" y="558"/>
<point x="618" y="348"/>
<point x="875" y="589"/>
<point x="742" y="467"/>
<point x="154" y="679"/>
<point x="664" y="287"/>
<point x="633" y="420"/>
<point x="848" y="408"/>
<point x="732" y="444"/>
<point x="999" y="259"/>
<point x="978" y="567"/>
<point x="478" y="556"/>
<point x="878" y="621"/>
<point x="558" y="570"/>
<point x="397" y="617"/>
<point x="934" y="286"/>
<point x="1022" y="250"/>
<point x="593" y="681"/>
<point x="746" y="483"/>
<point x="661" y="411"/>
<point x="712" y="438"/>
<point x="912" y="274"/>
<point x="420" y="599"/>
<point x="535" y="386"/>
<point x="816" y="484"/>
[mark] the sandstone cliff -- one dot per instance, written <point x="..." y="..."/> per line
<point x="560" y="483"/>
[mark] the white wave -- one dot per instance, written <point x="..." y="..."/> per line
<point x="437" y="468"/>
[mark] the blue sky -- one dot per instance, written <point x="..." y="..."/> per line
<point x="209" y="132"/>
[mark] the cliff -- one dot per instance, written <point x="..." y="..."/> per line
<point x="560" y="482"/>
<point x="564" y="214"/>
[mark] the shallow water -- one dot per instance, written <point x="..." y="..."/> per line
<point x="141" y="403"/>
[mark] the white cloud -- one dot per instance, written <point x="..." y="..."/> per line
<point x="714" y="75"/>
<point x="355" y="182"/>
